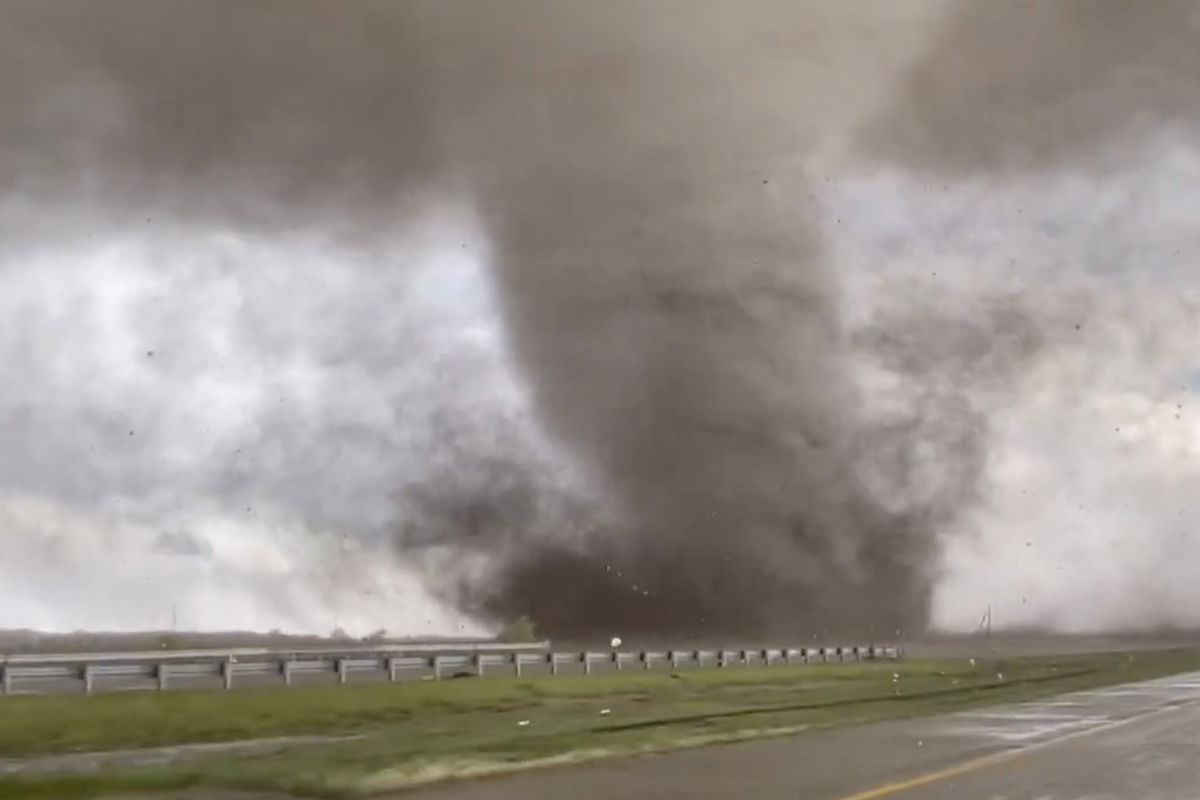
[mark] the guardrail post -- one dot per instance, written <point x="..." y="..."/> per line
<point x="645" y="657"/>
<point x="586" y="657"/>
<point x="161" y="673"/>
<point x="745" y="655"/>
<point x="285" y="669"/>
<point x="435" y="663"/>
<point x="342" y="669"/>
<point x="5" y="680"/>
<point x="674" y="657"/>
<point x="477" y="660"/>
<point x="720" y="659"/>
<point x="516" y="661"/>
<point x="553" y="662"/>
<point x="88" y="679"/>
<point x="616" y="659"/>
<point x="227" y="672"/>
<point x="390" y="664"/>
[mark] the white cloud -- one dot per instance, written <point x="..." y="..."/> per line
<point x="221" y="422"/>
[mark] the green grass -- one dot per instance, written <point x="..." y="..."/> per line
<point x="418" y="732"/>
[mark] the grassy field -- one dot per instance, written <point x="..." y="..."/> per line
<point x="419" y="732"/>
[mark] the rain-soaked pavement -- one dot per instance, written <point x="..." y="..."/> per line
<point x="1136" y="740"/>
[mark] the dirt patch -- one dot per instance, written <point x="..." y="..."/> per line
<point x="83" y="763"/>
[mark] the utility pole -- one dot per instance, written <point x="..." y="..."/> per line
<point x="985" y="622"/>
<point x="338" y="576"/>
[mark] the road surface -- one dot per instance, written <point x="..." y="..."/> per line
<point x="1138" y="740"/>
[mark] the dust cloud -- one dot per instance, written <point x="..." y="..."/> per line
<point x="1046" y="155"/>
<point x="635" y="317"/>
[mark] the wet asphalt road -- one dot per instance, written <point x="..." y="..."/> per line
<point x="1154" y="758"/>
<point x="1133" y="741"/>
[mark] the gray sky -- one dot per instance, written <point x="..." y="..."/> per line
<point x="1086" y="514"/>
<point x="783" y="298"/>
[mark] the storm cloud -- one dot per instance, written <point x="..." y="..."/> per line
<point x="636" y="317"/>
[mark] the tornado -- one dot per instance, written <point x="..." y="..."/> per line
<point x="644" y="176"/>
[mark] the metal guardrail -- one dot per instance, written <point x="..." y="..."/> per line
<point x="35" y="673"/>
<point x="246" y="652"/>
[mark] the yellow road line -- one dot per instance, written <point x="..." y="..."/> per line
<point x="976" y="764"/>
<point x="935" y="776"/>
